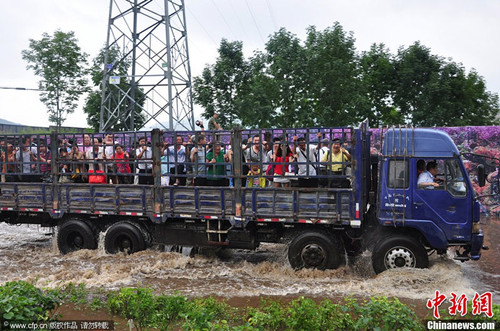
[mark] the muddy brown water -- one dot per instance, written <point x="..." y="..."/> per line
<point x="27" y="253"/>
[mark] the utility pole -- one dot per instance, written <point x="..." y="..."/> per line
<point x="151" y="37"/>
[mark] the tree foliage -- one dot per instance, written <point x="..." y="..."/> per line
<point x="325" y="81"/>
<point x="92" y="105"/>
<point x="61" y="64"/>
<point x="220" y="85"/>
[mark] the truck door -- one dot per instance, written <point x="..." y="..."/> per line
<point x="449" y="206"/>
<point x="396" y="192"/>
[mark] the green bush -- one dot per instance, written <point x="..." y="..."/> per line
<point x="134" y="303"/>
<point x="300" y="314"/>
<point x="270" y="315"/>
<point x="205" y="314"/>
<point x="381" y="313"/>
<point x="23" y="302"/>
<point x="169" y="309"/>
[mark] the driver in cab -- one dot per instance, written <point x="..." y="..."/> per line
<point x="427" y="179"/>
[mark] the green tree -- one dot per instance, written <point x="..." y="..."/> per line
<point x="258" y="100"/>
<point x="430" y="91"/>
<point x="220" y="85"/>
<point x="61" y="64"/>
<point x="325" y="82"/>
<point x="377" y="77"/>
<point x="415" y="67"/>
<point x="92" y="105"/>
<point x="457" y="99"/>
<point x="286" y="67"/>
<point x="333" y="76"/>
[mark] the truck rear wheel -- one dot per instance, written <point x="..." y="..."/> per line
<point x="124" y="237"/>
<point x="74" y="235"/>
<point x="315" y="250"/>
<point x="398" y="252"/>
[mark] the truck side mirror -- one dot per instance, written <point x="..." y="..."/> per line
<point x="481" y="175"/>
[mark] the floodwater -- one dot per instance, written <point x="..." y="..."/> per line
<point x="28" y="253"/>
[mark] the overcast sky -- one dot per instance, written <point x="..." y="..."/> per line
<point x="465" y="31"/>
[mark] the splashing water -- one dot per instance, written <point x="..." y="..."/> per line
<point x="27" y="253"/>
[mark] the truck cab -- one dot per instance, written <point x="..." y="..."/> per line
<point x="423" y="218"/>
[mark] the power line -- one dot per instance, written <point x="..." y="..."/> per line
<point x="223" y="18"/>
<point x="19" y="88"/>
<point x="231" y="3"/>
<point x="202" y="26"/>
<point x="271" y="13"/>
<point x="255" y="22"/>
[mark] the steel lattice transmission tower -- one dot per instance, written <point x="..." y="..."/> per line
<point x="151" y="37"/>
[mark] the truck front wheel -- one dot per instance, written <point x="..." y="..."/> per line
<point x="74" y="235"/>
<point x="124" y="237"/>
<point x="315" y="250"/>
<point x="397" y="252"/>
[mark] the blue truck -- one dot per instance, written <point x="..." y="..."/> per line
<point x="382" y="208"/>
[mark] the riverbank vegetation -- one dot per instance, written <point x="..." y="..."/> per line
<point x="23" y="302"/>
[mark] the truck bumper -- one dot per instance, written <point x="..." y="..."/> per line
<point x="476" y="245"/>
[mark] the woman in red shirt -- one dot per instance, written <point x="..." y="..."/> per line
<point x="281" y="166"/>
<point x="122" y="165"/>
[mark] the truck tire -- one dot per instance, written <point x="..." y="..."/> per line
<point x="397" y="252"/>
<point x="316" y="251"/>
<point x="74" y="235"/>
<point x="124" y="237"/>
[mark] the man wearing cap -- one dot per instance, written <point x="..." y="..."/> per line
<point x="336" y="163"/>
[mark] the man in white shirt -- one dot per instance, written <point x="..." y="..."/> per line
<point x="176" y="156"/>
<point x="306" y="157"/>
<point x="144" y="154"/>
<point x="198" y="158"/>
<point x="426" y="179"/>
<point x="27" y="154"/>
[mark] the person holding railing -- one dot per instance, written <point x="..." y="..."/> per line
<point x="337" y="159"/>
<point x="144" y="154"/>
<point x="96" y="157"/>
<point x="122" y="165"/>
<point x="306" y="157"/>
<point x="11" y="166"/>
<point x="176" y="156"/>
<point x="44" y="155"/>
<point x="198" y="157"/>
<point x="281" y="163"/>
<point x="216" y="167"/>
<point x="27" y="155"/>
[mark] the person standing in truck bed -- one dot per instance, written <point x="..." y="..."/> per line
<point x="27" y="156"/>
<point x="336" y="159"/>
<point x="176" y="156"/>
<point x="198" y="155"/>
<point x="281" y="164"/>
<point x="145" y="164"/>
<point x="216" y="166"/>
<point x="306" y="157"/>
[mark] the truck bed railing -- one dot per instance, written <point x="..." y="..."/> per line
<point x="105" y="173"/>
